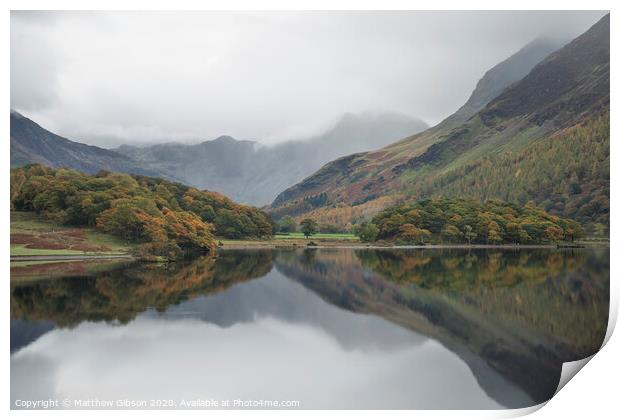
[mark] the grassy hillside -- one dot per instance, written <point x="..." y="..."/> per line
<point x="32" y="234"/>
<point x="564" y="95"/>
<point x="567" y="174"/>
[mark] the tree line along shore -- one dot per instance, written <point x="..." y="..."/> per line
<point x="65" y="212"/>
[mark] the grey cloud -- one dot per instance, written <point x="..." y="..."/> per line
<point x="33" y="64"/>
<point x="109" y="77"/>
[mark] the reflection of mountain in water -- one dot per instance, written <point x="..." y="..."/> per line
<point x="512" y="316"/>
<point x="25" y="332"/>
<point x="275" y="296"/>
<point x="523" y="312"/>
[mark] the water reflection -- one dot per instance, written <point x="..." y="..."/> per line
<point x="331" y="328"/>
<point x="120" y="293"/>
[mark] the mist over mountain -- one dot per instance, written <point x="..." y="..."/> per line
<point x="492" y="83"/>
<point x="252" y="173"/>
<point x="267" y="76"/>
<point x="246" y="171"/>
<point x="509" y="71"/>
<point x="544" y="138"/>
<point x="510" y="140"/>
<point x="31" y="143"/>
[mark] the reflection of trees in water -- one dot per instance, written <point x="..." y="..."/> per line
<point x="562" y="294"/>
<point x="457" y="269"/>
<point x="308" y="257"/>
<point x="120" y="294"/>
<point x="524" y="312"/>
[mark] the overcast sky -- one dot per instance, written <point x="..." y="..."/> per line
<point x="106" y="78"/>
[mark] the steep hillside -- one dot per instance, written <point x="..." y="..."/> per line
<point x="509" y="71"/>
<point x="252" y="173"/>
<point x="566" y="174"/>
<point x="567" y="89"/>
<point x="31" y="143"/>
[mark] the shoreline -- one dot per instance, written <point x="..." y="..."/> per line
<point x="253" y="245"/>
<point x="270" y="245"/>
<point x="70" y="257"/>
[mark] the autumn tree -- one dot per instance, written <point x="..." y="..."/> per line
<point x="451" y="233"/>
<point x="410" y="233"/>
<point x="136" y="208"/>
<point x="554" y="233"/>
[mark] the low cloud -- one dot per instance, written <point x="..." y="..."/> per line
<point x="111" y="77"/>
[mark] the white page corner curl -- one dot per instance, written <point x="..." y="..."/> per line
<point x="569" y="370"/>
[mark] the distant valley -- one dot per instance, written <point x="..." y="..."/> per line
<point x="246" y="171"/>
<point x="252" y="173"/>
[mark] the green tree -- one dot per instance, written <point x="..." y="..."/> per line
<point x="455" y="220"/>
<point x="368" y="232"/>
<point x="599" y="230"/>
<point x="572" y="230"/>
<point x="451" y="233"/>
<point x="288" y="224"/>
<point x="516" y="234"/>
<point x="309" y="227"/>
<point x="494" y="234"/>
<point x="470" y="235"/>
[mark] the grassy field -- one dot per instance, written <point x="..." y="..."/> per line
<point x="293" y="240"/>
<point x="18" y="264"/>
<point x="26" y="271"/>
<point x="20" y="250"/>
<point x="330" y="236"/>
<point x="30" y="222"/>
<point x="34" y="235"/>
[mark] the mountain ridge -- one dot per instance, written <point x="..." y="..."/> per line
<point x="31" y="143"/>
<point x="504" y="74"/>
<point x="245" y="170"/>
<point x="251" y="172"/>
<point x="567" y="88"/>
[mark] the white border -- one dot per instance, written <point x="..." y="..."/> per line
<point x="593" y="394"/>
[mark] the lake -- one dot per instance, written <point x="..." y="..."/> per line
<point x="308" y="328"/>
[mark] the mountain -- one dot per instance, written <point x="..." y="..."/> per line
<point x="253" y="173"/>
<point x="31" y="143"/>
<point x="514" y="148"/>
<point x="246" y="171"/>
<point x="504" y="74"/>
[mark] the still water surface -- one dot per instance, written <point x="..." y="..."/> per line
<point x="328" y="328"/>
